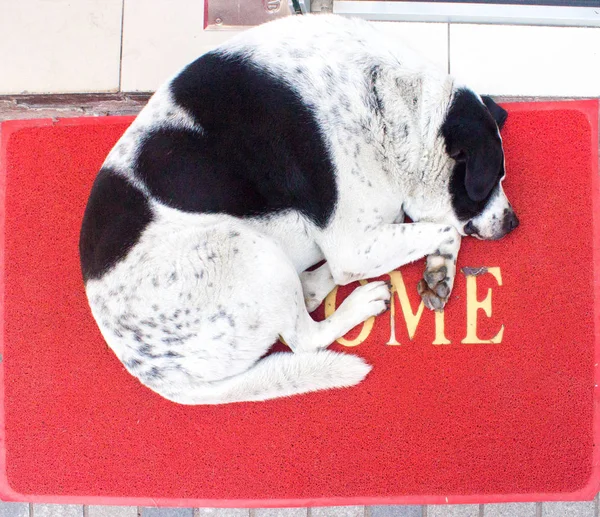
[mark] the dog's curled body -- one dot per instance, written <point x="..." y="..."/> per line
<point x="304" y="139"/>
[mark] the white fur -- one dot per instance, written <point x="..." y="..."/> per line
<point x="226" y="288"/>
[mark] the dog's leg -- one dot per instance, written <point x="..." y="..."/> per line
<point x="307" y="335"/>
<point x="206" y="316"/>
<point x="316" y="285"/>
<point x="390" y="246"/>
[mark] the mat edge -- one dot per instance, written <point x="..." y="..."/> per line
<point x="8" y="128"/>
<point x="589" y="107"/>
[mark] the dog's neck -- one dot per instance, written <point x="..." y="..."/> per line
<point x="414" y="144"/>
<point x="414" y="117"/>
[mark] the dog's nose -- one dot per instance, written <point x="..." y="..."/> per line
<point x="469" y="228"/>
<point x="510" y="222"/>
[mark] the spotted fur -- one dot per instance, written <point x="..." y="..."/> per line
<point x="302" y="140"/>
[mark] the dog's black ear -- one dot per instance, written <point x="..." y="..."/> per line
<point x="471" y="137"/>
<point x="483" y="169"/>
<point x="483" y="162"/>
<point x="500" y="115"/>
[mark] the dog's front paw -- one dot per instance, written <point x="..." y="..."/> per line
<point x="438" y="279"/>
<point x="369" y="300"/>
<point x="436" y="286"/>
<point x="432" y="297"/>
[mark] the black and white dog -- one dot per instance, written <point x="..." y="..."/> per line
<point x="303" y="139"/>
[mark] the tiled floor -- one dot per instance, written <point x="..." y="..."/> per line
<point x="583" y="509"/>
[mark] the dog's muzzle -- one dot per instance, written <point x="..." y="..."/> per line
<point x="509" y="222"/>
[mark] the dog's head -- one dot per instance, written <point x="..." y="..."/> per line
<point x="471" y="132"/>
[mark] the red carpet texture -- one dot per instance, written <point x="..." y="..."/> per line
<point x="496" y="400"/>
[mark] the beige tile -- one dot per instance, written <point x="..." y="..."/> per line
<point x="57" y="510"/>
<point x="453" y="510"/>
<point x="160" y="37"/>
<point x="339" y="511"/>
<point x="14" y="509"/>
<point x="509" y="510"/>
<point x="59" y="46"/>
<point x="429" y="39"/>
<point x="524" y="60"/>
<point x="583" y="509"/>
<point x="112" y="511"/>
<point x="280" y="512"/>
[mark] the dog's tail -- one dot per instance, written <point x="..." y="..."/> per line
<point x="279" y="375"/>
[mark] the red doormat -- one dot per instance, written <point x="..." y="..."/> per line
<point x="493" y="401"/>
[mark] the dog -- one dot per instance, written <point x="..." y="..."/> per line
<point x="302" y="140"/>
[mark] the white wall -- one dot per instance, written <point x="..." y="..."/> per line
<point x="67" y="46"/>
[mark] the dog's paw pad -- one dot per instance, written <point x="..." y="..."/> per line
<point x="432" y="300"/>
<point x="434" y="276"/>
<point x="442" y="289"/>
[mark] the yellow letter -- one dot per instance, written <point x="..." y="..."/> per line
<point x="393" y="340"/>
<point x="330" y="306"/>
<point x="412" y="318"/>
<point x="440" y="337"/>
<point x="486" y="304"/>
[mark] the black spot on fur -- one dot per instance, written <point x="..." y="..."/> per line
<point x="146" y="350"/>
<point x="375" y="99"/>
<point x="329" y="78"/>
<point x="153" y="374"/>
<point x="260" y="149"/>
<point x="115" y="216"/>
<point x="171" y="340"/>
<point x="447" y="256"/>
<point x="132" y="364"/>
